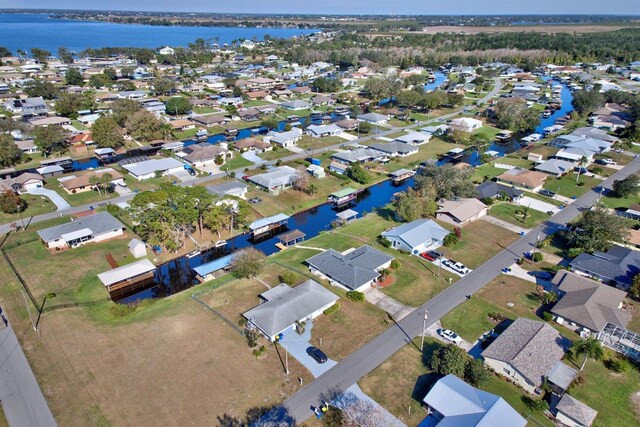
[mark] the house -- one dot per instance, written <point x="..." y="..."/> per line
<point x="374" y="118"/>
<point x="526" y="352"/>
<point x="323" y="100"/>
<point x="131" y="94"/>
<point x="146" y="169"/>
<point x="22" y="183"/>
<point x="414" y="138"/>
<point x="250" y="114"/>
<point x="284" y="139"/>
<point x="435" y="130"/>
<point x="88" y="229"/>
<point x="591" y="132"/>
<point x="199" y="155"/>
<point x="461" y="211"/>
<point x="210" y="120"/>
<point x="29" y="107"/>
<point x="296" y="105"/>
<point x="320" y="131"/>
<point x="166" y="51"/>
<point x="575" y="147"/>
<point x="154" y="106"/>
<point x="347" y="124"/>
<point x="137" y="248"/>
<point x="523" y="178"/>
<point x="51" y="121"/>
<point x="465" y="124"/>
<point x="83" y="182"/>
<point x="453" y="402"/>
<point x="283" y="307"/>
<point x="252" y="144"/>
<point x="27" y="146"/>
<point x="84" y="138"/>
<point x="359" y="155"/>
<point x="276" y="179"/>
<point x="257" y="94"/>
<point x="492" y="190"/>
<point x="355" y="270"/>
<point x="417" y="236"/>
<point x="230" y="102"/>
<point x="182" y="125"/>
<point x="555" y="167"/>
<point x="339" y="168"/>
<point x="233" y="188"/>
<point x="617" y="266"/>
<point x="588" y="305"/>
<point x="394" y="149"/>
<point x="573" y="413"/>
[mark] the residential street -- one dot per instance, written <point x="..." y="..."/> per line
<point x="380" y="348"/>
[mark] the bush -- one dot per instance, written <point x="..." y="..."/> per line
<point x="384" y="242"/>
<point x="242" y="322"/>
<point x="395" y="264"/>
<point x="113" y="209"/>
<point x="537" y="257"/>
<point x="355" y="296"/>
<point x="252" y="337"/>
<point x="618" y="365"/>
<point x="259" y="351"/>
<point x="278" y="162"/>
<point x="450" y="239"/>
<point x="335" y="307"/>
<point x="288" y="278"/>
<point x="547" y="316"/>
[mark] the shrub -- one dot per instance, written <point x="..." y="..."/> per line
<point x="335" y="307"/>
<point x="242" y="322"/>
<point x="497" y="317"/>
<point x="252" y="337"/>
<point x="618" y="365"/>
<point x="278" y="162"/>
<point x="395" y="264"/>
<point x="259" y="351"/>
<point x="450" y="240"/>
<point x="574" y="252"/>
<point x="122" y="310"/>
<point x="384" y="242"/>
<point x="356" y="296"/>
<point x="233" y="174"/>
<point x="537" y="257"/>
<point x="547" y="316"/>
<point x="113" y="209"/>
<point x="288" y="278"/>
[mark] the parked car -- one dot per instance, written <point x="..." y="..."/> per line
<point x="427" y="256"/>
<point x="542" y="275"/>
<point x="435" y="254"/>
<point x="191" y="172"/>
<point x="317" y="354"/>
<point x="449" y="335"/>
<point x="456" y="266"/>
<point x="547" y="193"/>
<point x="606" y="162"/>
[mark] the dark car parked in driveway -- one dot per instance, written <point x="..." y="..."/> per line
<point x="317" y="354"/>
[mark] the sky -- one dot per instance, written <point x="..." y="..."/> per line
<point x="415" y="7"/>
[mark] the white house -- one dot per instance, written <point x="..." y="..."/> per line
<point x="149" y="168"/>
<point x="284" y="139"/>
<point x="167" y="51"/>
<point x="320" y="131"/>
<point x="417" y="236"/>
<point x="465" y="124"/>
<point x="89" y="229"/>
<point x="374" y="118"/>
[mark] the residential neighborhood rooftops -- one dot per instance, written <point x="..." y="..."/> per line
<point x="125" y="272"/>
<point x="490" y="189"/>
<point x="619" y="264"/>
<point x="99" y="223"/>
<point x="227" y="187"/>
<point x="523" y="177"/>
<point x="416" y="232"/>
<point x="282" y="176"/>
<point x="153" y="165"/>
<point x="576" y="410"/>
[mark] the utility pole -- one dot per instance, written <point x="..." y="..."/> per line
<point x="424" y="328"/>
<point x="286" y="359"/>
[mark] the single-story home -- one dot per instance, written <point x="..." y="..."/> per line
<point x="82" y="182"/>
<point x="88" y="229"/>
<point x="492" y="190"/>
<point x="347" y="124"/>
<point x="374" y="118"/>
<point x="276" y="179"/>
<point x="182" y="124"/>
<point x="282" y="307"/>
<point x="319" y="131"/>
<point x="460" y="212"/>
<point x="573" y="413"/>
<point x="394" y="149"/>
<point x="51" y="121"/>
<point x="416" y="236"/>
<point x="284" y="139"/>
<point x="453" y="402"/>
<point x="296" y="105"/>
<point x="22" y="183"/>
<point x="588" y="305"/>
<point x="252" y="144"/>
<point x="229" y="188"/>
<point x="523" y="178"/>
<point x="210" y="120"/>
<point x="359" y="155"/>
<point x="203" y="154"/>
<point x="555" y="167"/>
<point x="147" y="169"/>
<point x="465" y="124"/>
<point x="526" y="352"/>
<point x="414" y="138"/>
<point x="617" y="266"/>
<point x="355" y="270"/>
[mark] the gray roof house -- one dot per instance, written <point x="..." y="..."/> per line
<point x="354" y="270"/>
<point x="92" y="228"/>
<point x="416" y="236"/>
<point x="296" y="105"/>
<point x="618" y="265"/>
<point x="283" y="306"/>
<point x="413" y="137"/>
<point x="526" y="352"/>
<point x="572" y="412"/>
<point x="555" y="167"/>
<point x="279" y="178"/>
<point x="395" y="148"/>
<point x="490" y="190"/>
<point x="359" y="155"/>
<point x="588" y="304"/>
<point x="453" y="402"/>
<point x="374" y="118"/>
<point x="148" y="168"/>
<point x="229" y="188"/>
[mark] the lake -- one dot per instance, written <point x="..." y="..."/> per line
<point x="26" y="31"/>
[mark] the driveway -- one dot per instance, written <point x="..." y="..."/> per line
<point x="55" y="198"/>
<point x="538" y="205"/>
<point x="348" y="136"/>
<point x="253" y="157"/>
<point x="432" y="331"/>
<point x="396" y="309"/>
<point x="444" y="267"/>
<point x="296" y="345"/>
<point x="506" y="225"/>
<point x="183" y="176"/>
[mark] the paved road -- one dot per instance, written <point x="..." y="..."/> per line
<point x="383" y="346"/>
<point x="22" y="399"/>
<point x="5" y="228"/>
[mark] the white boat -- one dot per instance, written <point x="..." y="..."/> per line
<point x="193" y="253"/>
<point x="220" y="243"/>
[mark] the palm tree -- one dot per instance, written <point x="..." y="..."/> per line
<point x="590" y="347"/>
<point x="167" y="131"/>
<point x="625" y="145"/>
<point x="95" y="181"/>
<point x="583" y="161"/>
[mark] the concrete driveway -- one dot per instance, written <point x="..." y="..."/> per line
<point x="432" y="331"/>
<point x="396" y="309"/>
<point x="55" y="198"/>
<point x="506" y="225"/>
<point x="253" y="157"/>
<point x="538" y="205"/>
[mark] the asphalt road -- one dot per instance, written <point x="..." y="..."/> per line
<point x="21" y="397"/>
<point x="5" y="228"/>
<point x="372" y="354"/>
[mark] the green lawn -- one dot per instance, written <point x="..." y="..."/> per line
<point x="486" y="172"/>
<point x="275" y="154"/>
<point x="488" y="132"/>
<point x="513" y="395"/>
<point x="566" y="185"/>
<point x="79" y="199"/>
<point x="309" y="143"/>
<point x="542" y="198"/>
<point x="237" y="162"/>
<point x="507" y="212"/>
<point x="36" y="205"/>
<point x="619" y="202"/>
<point x="186" y="134"/>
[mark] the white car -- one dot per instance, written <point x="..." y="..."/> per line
<point x="449" y="335"/>
<point x="456" y="266"/>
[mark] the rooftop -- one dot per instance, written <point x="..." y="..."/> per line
<point x="125" y="272"/>
<point x="99" y="223"/>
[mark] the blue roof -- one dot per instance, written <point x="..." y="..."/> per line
<point x="215" y="265"/>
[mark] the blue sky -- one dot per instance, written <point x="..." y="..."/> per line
<point x="427" y="7"/>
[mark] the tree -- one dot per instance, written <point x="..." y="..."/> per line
<point x="73" y="77"/>
<point x="270" y="122"/>
<point x="40" y="55"/>
<point x="515" y="115"/>
<point x="107" y="133"/>
<point x="11" y="203"/>
<point x="323" y="84"/>
<point x="408" y="98"/>
<point x="288" y="278"/>
<point x="110" y="74"/>
<point x="411" y="205"/>
<point x="312" y="189"/>
<point x="247" y="263"/>
<point x="163" y="86"/>
<point x="449" y="359"/>
<point x="634" y="290"/>
<point x="596" y="230"/>
<point x="357" y="173"/>
<point x="144" y="126"/>
<point x="101" y="182"/>
<point x="65" y="55"/>
<point x="446" y="181"/>
<point x="50" y="139"/>
<point x="364" y="127"/>
<point x="178" y="105"/>
<point x="590" y="348"/>
<point x="459" y="136"/>
<point x="122" y="109"/>
<point x="216" y="219"/>
<point x="99" y="81"/>
<point x="10" y="154"/>
<point x="144" y="56"/>
<point x="37" y="88"/>
<point x="4" y="52"/>
<point x="581" y="164"/>
<point x="586" y="101"/>
<point x="475" y="373"/>
<point x="68" y="105"/>
<point x="301" y="182"/>
<point x="626" y="188"/>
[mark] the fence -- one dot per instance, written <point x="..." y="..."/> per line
<point x="196" y="297"/>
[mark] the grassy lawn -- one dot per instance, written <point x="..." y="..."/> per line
<point x="566" y="185"/>
<point x="238" y="162"/>
<point x="542" y="198"/>
<point x="486" y="172"/>
<point x="480" y="241"/>
<point x="145" y="185"/>
<point x="488" y="132"/>
<point x="36" y="205"/>
<point x="275" y="154"/>
<point x="185" y="134"/>
<point x="309" y="143"/>
<point x="3" y="419"/>
<point x="507" y="212"/>
<point x="619" y="202"/>
<point x="79" y="199"/>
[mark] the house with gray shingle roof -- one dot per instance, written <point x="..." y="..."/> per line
<point x="526" y="352"/>
<point x="416" y="236"/>
<point x="88" y="229"/>
<point x="573" y="413"/>
<point x="617" y="266"/>
<point x="586" y="304"/>
<point x="355" y="270"/>
<point x="283" y="306"/>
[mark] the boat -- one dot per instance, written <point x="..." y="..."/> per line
<point x="193" y="253"/>
<point x="316" y="115"/>
<point x="220" y="243"/>
<point x="293" y="119"/>
<point x="202" y="134"/>
<point x="230" y="134"/>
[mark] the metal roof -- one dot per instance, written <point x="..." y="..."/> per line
<point x="125" y="272"/>
<point x="215" y="265"/>
<point x="154" y="165"/>
<point x="259" y="223"/>
<point x="97" y="224"/>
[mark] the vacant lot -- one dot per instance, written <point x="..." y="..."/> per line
<point x="36" y="205"/>
<point x="513" y="214"/>
<point x="567" y="186"/>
